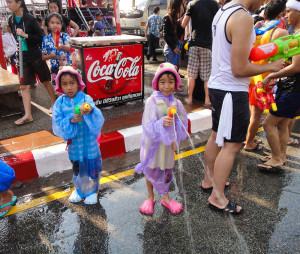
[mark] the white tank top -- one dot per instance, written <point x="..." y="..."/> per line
<point x="221" y="74"/>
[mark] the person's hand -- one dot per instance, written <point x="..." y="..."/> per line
<point x="259" y="24"/>
<point x="76" y="119"/>
<point x="21" y="32"/>
<point x="86" y="111"/>
<point x="277" y="65"/>
<point x="267" y="80"/>
<point x="54" y="56"/>
<point x="168" y="121"/>
<point x="176" y="51"/>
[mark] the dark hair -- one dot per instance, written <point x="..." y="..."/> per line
<point x="156" y="9"/>
<point x="173" y="11"/>
<point x="38" y="19"/>
<point x="168" y="73"/>
<point x="58" y="3"/>
<point x="23" y="5"/>
<point x="98" y="14"/>
<point x="273" y="9"/>
<point x="72" y="75"/>
<point x="51" y="15"/>
<point x="257" y="18"/>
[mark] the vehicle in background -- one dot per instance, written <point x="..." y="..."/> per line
<point x="134" y="15"/>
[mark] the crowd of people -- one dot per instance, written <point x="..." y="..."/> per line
<point x="220" y="44"/>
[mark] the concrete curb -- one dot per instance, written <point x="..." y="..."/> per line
<point x="48" y="160"/>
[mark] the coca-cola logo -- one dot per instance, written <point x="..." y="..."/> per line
<point x="98" y="72"/>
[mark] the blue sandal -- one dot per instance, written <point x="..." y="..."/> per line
<point x="14" y="199"/>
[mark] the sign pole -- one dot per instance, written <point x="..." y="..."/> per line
<point x="117" y="16"/>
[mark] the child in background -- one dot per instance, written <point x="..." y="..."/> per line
<point x="159" y="133"/>
<point x="81" y="132"/>
<point x="59" y="56"/>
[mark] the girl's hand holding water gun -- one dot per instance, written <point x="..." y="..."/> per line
<point x="168" y="121"/>
<point x="86" y="108"/>
<point x="76" y="119"/>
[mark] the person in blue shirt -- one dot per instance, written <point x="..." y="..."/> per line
<point x="154" y="24"/>
<point x="100" y="23"/>
<point x="81" y="132"/>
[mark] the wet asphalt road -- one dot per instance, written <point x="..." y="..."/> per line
<point x="270" y="223"/>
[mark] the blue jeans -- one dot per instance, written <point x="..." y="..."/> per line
<point x="171" y="56"/>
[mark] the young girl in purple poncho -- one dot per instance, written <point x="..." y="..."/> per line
<point x="159" y="133"/>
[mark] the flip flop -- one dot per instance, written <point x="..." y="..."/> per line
<point x="147" y="206"/>
<point x="23" y="121"/>
<point x="293" y="142"/>
<point x="231" y="206"/>
<point x="14" y="199"/>
<point x="258" y="147"/>
<point x="266" y="158"/>
<point x="270" y="168"/>
<point x="173" y="206"/>
<point x="211" y="188"/>
<point x="207" y="105"/>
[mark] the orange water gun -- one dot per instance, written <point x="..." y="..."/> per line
<point x="171" y="111"/>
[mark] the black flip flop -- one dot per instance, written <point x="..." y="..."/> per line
<point x="256" y="148"/>
<point x="211" y="188"/>
<point x="231" y="206"/>
<point x="270" y="168"/>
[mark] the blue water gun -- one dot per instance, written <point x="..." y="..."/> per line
<point x="267" y="26"/>
<point x="179" y="47"/>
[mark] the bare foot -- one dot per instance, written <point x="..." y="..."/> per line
<point x="6" y="197"/>
<point x="189" y="101"/>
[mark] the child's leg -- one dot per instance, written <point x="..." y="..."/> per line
<point x="166" y="198"/>
<point x="150" y="190"/>
<point x="147" y="206"/>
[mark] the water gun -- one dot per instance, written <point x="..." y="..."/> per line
<point x="78" y="111"/>
<point x="283" y="47"/>
<point x="57" y="35"/>
<point x="267" y="26"/>
<point x="179" y="47"/>
<point x="264" y="98"/>
<point x="171" y="111"/>
<point x="21" y="76"/>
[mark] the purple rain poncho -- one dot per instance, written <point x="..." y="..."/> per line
<point x="84" y="151"/>
<point x="157" y="152"/>
<point x="7" y="176"/>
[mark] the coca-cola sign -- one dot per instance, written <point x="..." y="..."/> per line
<point x="99" y="72"/>
<point x="114" y="71"/>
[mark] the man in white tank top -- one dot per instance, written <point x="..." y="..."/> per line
<point x="233" y="37"/>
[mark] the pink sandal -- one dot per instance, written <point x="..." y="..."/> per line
<point x="147" y="206"/>
<point x="173" y="206"/>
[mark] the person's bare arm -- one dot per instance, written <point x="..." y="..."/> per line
<point x="286" y="72"/>
<point x="75" y="27"/>
<point x="239" y="29"/>
<point x="146" y="31"/>
<point x="185" y="21"/>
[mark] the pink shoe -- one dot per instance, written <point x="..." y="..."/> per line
<point x="173" y="206"/>
<point x="147" y="206"/>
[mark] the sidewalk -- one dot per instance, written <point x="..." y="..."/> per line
<point x="34" y="151"/>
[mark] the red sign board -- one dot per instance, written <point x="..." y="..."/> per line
<point x="114" y="74"/>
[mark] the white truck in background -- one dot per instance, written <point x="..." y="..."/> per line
<point x="135" y="13"/>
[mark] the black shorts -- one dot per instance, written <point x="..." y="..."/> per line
<point x="240" y="117"/>
<point x="288" y="105"/>
<point x="38" y="67"/>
